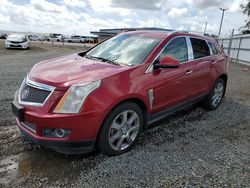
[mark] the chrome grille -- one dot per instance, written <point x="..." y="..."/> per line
<point x="16" y="42"/>
<point x="33" y="93"/>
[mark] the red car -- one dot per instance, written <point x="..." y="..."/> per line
<point x="105" y="97"/>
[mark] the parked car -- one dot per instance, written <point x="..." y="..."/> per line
<point x="76" y="39"/>
<point x="56" y="37"/>
<point x="90" y="40"/>
<point x="105" y="97"/>
<point x="37" y="38"/>
<point x="17" y="41"/>
<point x="3" y="36"/>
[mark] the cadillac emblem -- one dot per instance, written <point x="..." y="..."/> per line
<point x="25" y="93"/>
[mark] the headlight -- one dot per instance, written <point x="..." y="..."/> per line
<point x="73" y="99"/>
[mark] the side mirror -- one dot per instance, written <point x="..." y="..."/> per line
<point x="167" y="62"/>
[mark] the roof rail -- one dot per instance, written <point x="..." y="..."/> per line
<point x="127" y="30"/>
<point x="184" y="31"/>
<point x="179" y="31"/>
<point x="147" y="29"/>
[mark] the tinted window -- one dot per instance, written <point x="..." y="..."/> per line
<point x="213" y="48"/>
<point x="200" y="48"/>
<point x="177" y="49"/>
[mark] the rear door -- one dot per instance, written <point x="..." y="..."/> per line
<point x="200" y="72"/>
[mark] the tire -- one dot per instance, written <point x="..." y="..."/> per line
<point x="117" y="135"/>
<point x="218" y="90"/>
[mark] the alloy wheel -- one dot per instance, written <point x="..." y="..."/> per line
<point x="124" y="130"/>
<point x="217" y="94"/>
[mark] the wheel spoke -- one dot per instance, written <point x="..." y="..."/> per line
<point x="129" y="140"/>
<point x="116" y="125"/>
<point x="134" y="128"/>
<point x="132" y="119"/>
<point x="114" y="137"/>
<point x="124" y="116"/>
<point x="119" y="143"/>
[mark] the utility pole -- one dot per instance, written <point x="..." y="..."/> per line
<point x="205" y="28"/>
<point x="222" y="16"/>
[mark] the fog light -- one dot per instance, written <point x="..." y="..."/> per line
<point x="56" y="133"/>
<point x="59" y="133"/>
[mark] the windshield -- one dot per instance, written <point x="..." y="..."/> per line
<point x="125" y="49"/>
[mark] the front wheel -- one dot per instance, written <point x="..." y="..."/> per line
<point x="121" y="129"/>
<point x="213" y="100"/>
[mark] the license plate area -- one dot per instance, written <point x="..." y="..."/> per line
<point x="17" y="110"/>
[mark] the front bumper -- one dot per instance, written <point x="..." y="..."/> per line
<point x="63" y="147"/>
<point x="83" y="130"/>
<point x="24" y="45"/>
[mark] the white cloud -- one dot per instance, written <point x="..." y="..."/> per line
<point x="235" y="6"/>
<point x="46" y="6"/>
<point x="178" y="12"/>
<point x="81" y="16"/>
<point x="75" y="3"/>
<point x="139" y="4"/>
<point x="4" y="19"/>
<point x="204" y="4"/>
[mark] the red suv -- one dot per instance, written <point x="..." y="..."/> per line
<point x="103" y="98"/>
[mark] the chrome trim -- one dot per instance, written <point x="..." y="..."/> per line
<point x="27" y="127"/>
<point x="190" y="49"/>
<point x="210" y="50"/>
<point x="151" y="97"/>
<point x="189" y="72"/>
<point x="38" y="86"/>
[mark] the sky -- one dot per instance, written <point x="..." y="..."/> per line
<point x="82" y="16"/>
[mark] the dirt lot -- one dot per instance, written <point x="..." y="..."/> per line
<point x="194" y="147"/>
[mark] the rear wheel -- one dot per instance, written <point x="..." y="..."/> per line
<point x="121" y="129"/>
<point x="213" y="100"/>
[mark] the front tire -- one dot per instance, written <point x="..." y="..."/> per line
<point x="214" y="98"/>
<point x="121" y="129"/>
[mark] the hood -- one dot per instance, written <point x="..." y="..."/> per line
<point x="16" y="38"/>
<point x="73" y="69"/>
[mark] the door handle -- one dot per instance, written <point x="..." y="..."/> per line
<point x="189" y="72"/>
<point x="213" y="61"/>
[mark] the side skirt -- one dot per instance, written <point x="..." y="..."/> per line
<point x="162" y="114"/>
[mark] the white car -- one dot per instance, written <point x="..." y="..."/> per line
<point x="36" y="38"/>
<point x="17" y="41"/>
<point x="76" y="39"/>
<point x="57" y="38"/>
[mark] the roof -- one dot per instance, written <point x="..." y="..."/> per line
<point x="111" y="32"/>
<point x="164" y="34"/>
<point x="152" y="32"/>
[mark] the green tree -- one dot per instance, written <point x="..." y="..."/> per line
<point x="246" y="11"/>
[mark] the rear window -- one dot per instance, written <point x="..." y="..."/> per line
<point x="213" y="48"/>
<point x="200" y="48"/>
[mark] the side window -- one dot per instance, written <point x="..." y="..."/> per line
<point x="213" y="48"/>
<point x="177" y="49"/>
<point x="200" y="48"/>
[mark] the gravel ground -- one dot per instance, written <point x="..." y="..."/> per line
<point x="192" y="148"/>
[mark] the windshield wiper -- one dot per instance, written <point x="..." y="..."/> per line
<point x="103" y="60"/>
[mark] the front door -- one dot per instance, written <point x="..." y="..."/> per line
<point x="170" y="85"/>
